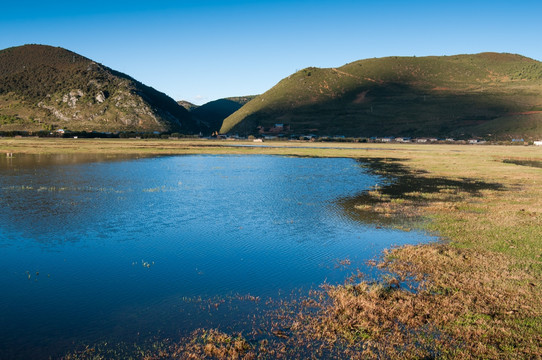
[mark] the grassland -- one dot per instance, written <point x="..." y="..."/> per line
<point x="476" y="294"/>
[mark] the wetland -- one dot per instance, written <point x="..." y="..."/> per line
<point x="473" y="294"/>
<point x="101" y="248"/>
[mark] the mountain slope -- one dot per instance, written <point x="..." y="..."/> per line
<point x="463" y="95"/>
<point x="213" y="113"/>
<point x="187" y="105"/>
<point x="43" y="87"/>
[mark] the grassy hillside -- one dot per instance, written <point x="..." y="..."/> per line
<point x="212" y="114"/>
<point x="241" y="100"/>
<point x="462" y="96"/>
<point x="43" y="87"/>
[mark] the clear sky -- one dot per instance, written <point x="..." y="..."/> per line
<point x="204" y="50"/>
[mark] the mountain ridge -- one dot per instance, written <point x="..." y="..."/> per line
<point x="486" y="94"/>
<point x="213" y="113"/>
<point x="45" y="87"/>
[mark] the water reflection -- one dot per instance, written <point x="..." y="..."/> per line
<point x="99" y="250"/>
<point x="39" y="192"/>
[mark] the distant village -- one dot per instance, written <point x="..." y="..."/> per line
<point x="282" y="132"/>
<point x="277" y="132"/>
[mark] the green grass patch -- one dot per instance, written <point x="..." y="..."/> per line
<point x="476" y="294"/>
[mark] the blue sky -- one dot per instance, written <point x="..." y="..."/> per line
<point x="205" y="50"/>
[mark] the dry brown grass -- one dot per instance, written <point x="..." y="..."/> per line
<point x="476" y="305"/>
<point x="214" y="344"/>
<point x="477" y="294"/>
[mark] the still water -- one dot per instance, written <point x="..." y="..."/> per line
<point x="110" y="249"/>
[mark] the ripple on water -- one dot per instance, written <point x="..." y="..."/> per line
<point x="206" y="226"/>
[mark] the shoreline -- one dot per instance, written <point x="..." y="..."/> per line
<point x="184" y="146"/>
<point x="478" y="293"/>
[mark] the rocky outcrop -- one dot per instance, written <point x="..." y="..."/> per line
<point x="55" y="87"/>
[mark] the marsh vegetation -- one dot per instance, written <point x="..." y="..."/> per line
<point x="134" y="255"/>
<point x="475" y="294"/>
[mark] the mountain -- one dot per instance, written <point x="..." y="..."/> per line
<point x="44" y="87"/>
<point x="486" y="95"/>
<point x="187" y="105"/>
<point x="213" y="113"/>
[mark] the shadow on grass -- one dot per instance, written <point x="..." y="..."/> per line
<point x="404" y="192"/>
<point x="531" y="163"/>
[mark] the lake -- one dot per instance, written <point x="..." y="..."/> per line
<point x="97" y="248"/>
